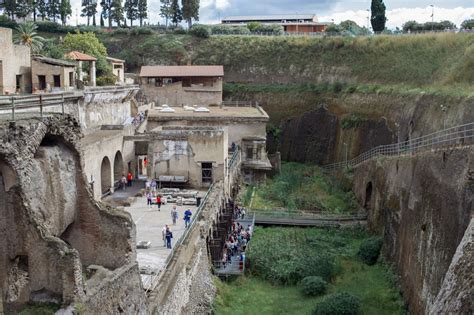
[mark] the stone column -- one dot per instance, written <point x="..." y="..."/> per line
<point x="79" y="67"/>
<point x="92" y="73"/>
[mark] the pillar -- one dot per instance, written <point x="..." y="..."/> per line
<point x="92" y="73"/>
<point x="79" y="67"/>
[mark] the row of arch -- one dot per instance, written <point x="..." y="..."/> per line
<point x="108" y="176"/>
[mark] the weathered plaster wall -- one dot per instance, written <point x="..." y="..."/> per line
<point x="422" y="204"/>
<point x="48" y="70"/>
<point x="94" y="114"/>
<point x="177" y="95"/>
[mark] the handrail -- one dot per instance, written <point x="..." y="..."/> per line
<point x="182" y="238"/>
<point x="458" y="135"/>
<point x="232" y="160"/>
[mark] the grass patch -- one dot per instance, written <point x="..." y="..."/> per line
<point x="304" y="187"/>
<point x="374" y="286"/>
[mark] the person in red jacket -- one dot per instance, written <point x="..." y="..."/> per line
<point x="158" y="202"/>
<point x="129" y="179"/>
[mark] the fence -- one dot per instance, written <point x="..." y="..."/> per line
<point x="459" y="135"/>
<point x="180" y="241"/>
<point x="16" y="103"/>
<point x="305" y="214"/>
<point x="239" y="103"/>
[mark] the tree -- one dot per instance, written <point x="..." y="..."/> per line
<point x="131" y="10"/>
<point x="9" y="7"/>
<point x="190" y="11"/>
<point x="54" y="9"/>
<point x="106" y="12"/>
<point x="116" y="12"/>
<point x="412" y="26"/>
<point x="378" y="18"/>
<point x="176" y="14"/>
<point x="467" y="24"/>
<point x="26" y="34"/>
<point x="42" y="8"/>
<point x="89" y="9"/>
<point x="165" y="10"/>
<point x="142" y="11"/>
<point x="23" y="8"/>
<point x="65" y="11"/>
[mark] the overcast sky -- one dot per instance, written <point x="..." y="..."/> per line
<point x="398" y="11"/>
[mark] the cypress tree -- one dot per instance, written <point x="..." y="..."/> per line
<point x="65" y="10"/>
<point x="378" y="18"/>
<point x="190" y="11"/>
<point x="131" y="10"/>
<point x="142" y="11"/>
<point x="165" y="10"/>
<point x="106" y="12"/>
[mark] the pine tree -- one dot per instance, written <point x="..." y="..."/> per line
<point x="165" y="10"/>
<point x="131" y="10"/>
<point x="142" y="11"/>
<point x="65" y="10"/>
<point x="54" y="9"/>
<point x="116" y="12"/>
<point x="176" y="15"/>
<point x="42" y="8"/>
<point x="190" y="11"/>
<point x="106" y="12"/>
<point x="23" y="8"/>
<point x="89" y="9"/>
<point x="8" y="7"/>
<point x="378" y="17"/>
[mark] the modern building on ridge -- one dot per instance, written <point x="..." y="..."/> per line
<point x="292" y="23"/>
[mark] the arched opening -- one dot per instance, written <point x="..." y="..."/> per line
<point x="118" y="166"/>
<point x="105" y="175"/>
<point x="368" y="195"/>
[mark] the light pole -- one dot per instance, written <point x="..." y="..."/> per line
<point x="368" y="20"/>
<point x="432" y="17"/>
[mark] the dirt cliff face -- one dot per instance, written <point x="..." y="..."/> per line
<point x="422" y="204"/>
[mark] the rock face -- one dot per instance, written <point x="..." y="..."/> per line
<point x="422" y="204"/>
<point x="50" y="226"/>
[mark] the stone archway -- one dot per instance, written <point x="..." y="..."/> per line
<point x="118" y="166"/>
<point x="368" y="195"/>
<point x="105" y="175"/>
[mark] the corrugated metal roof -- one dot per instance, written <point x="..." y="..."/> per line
<point x="54" y="62"/>
<point x="270" y="17"/>
<point x="182" y="71"/>
<point x="77" y="55"/>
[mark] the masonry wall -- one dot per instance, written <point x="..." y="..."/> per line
<point x="41" y="68"/>
<point x="14" y="60"/>
<point x="422" y="205"/>
<point x="177" y="95"/>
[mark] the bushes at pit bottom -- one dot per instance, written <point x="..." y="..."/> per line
<point x="341" y="303"/>
<point x="369" y="250"/>
<point x="313" y="286"/>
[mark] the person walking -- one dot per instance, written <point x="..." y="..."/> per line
<point x="148" y="198"/>
<point x="169" y="236"/>
<point x="174" y="215"/>
<point x="187" y="217"/>
<point x="158" y="202"/>
<point x="163" y="234"/>
<point x="153" y="186"/>
<point x="129" y="179"/>
<point x="123" y="182"/>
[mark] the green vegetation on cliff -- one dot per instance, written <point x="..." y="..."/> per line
<point x="374" y="286"/>
<point x="304" y="187"/>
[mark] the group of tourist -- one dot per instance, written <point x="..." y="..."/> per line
<point x="166" y="231"/>
<point x="236" y="243"/>
<point x="126" y="181"/>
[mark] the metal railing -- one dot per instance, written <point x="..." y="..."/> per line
<point x="239" y="104"/>
<point x="458" y="135"/>
<point x="233" y="159"/>
<point x="305" y="215"/>
<point x="180" y="240"/>
<point x="15" y="103"/>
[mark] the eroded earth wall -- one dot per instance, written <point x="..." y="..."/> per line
<point x="422" y="204"/>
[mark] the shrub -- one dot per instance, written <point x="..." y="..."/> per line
<point x="201" y="31"/>
<point x="341" y="303"/>
<point x="106" y="80"/>
<point x="352" y="121"/>
<point x="229" y="30"/>
<point x="369" y="250"/>
<point x="180" y="31"/>
<point x="313" y="285"/>
<point x="5" y="21"/>
<point x="141" y="31"/>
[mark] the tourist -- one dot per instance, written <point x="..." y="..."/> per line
<point x="158" y="202"/>
<point x="148" y="198"/>
<point x="174" y="215"/>
<point x="187" y="217"/>
<point x="163" y="234"/>
<point x="129" y="179"/>
<point x="169" y="236"/>
<point x="123" y="182"/>
<point x="153" y="186"/>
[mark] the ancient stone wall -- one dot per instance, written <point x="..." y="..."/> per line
<point x="422" y="204"/>
<point x="50" y="225"/>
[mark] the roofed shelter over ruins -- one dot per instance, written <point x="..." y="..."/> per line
<point x="182" y="85"/>
<point x="80" y="57"/>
